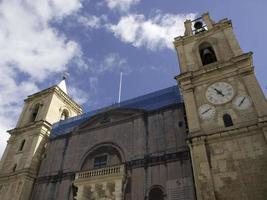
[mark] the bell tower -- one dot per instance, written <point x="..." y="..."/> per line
<point x="226" y="112"/>
<point x="20" y="162"/>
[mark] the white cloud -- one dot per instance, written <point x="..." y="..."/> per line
<point x="154" y="33"/>
<point x="91" y="21"/>
<point x="110" y="63"/>
<point x="11" y="93"/>
<point x="29" y="43"/>
<point x="50" y="9"/>
<point x="78" y="95"/>
<point x="93" y="81"/>
<point x="121" y="5"/>
<point x="31" y="51"/>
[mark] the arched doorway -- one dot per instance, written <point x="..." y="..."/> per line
<point x="156" y="193"/>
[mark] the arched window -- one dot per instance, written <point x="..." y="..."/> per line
<point x="227" y="119"/>
<point x="100" y="161"/>
<point x="102" y="156"/>
<point x="64" y="115"/>
<point x="207" y="53"/>
<point x="35" y="112"/>
<point x="156" y="194"/>
<point x="21" y="145"/>
<point x="14" y="168"/>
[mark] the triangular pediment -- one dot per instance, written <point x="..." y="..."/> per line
<point x="110" y="116"/>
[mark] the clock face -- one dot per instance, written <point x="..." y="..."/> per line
<point x="219" y="93"/>
<point x="206" y="111"/>
<point x="242" y="102"/>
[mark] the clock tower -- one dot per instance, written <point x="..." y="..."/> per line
<point x="226" y="112"/>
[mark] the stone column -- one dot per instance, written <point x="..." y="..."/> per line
<point x="109" y="189"/>
<point x="93" y="190"/>
<point x="81" y="193"/>
<point x="118" y="190"/>
<point x="201" y="169"/>
<point x="191" y="111"/>
<point x="188" y="28"/>
<point x="206" y="18"/>
<point x="256" y="94"/>
<point x="5" y="155"/>
<point x="265" y="133"/>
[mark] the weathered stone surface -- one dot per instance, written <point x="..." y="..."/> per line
<point x="151" y="145"/>
<point x="228" y="162"/>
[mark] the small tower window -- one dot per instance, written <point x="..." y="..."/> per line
<point x="227" y="119"/>
<point x="35" y="112"/>
<point x="14" y="168"/>
<point x="207" y="53"/>
<point x="21" y="145"/>
<point x="64" y="115"/>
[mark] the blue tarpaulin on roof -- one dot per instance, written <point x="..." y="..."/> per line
<point x="148" y="102"/>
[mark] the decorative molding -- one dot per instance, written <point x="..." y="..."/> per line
<point x="147" y="161"/>
<point x="60" y="93"/>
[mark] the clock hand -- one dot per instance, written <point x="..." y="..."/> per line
<point x="219" y="92"/>
<point x="242" y="101"/>
<point x="206" y="111"/>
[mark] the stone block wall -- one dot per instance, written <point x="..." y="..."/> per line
<point x="152" y="147"/>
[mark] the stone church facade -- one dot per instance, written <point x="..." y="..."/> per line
<point x="205" y="140"/>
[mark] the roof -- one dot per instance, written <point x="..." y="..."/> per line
<point x="62" y="85"/>
<point x="149" y="102"/>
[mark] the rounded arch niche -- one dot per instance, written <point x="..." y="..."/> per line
<point x="156" y="192"/>
<point x="102" y="155"/>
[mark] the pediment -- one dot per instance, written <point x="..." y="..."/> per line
<point x="109" y="117"/>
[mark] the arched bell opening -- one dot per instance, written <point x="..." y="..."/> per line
<point x="64" y="115"/>
<point x="35" y="111"/>
<point x="207" y="53"/>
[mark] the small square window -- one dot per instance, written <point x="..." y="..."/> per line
<point x="100" y="161"/>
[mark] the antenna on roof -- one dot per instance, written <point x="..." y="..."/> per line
<point x="120" y="88"/>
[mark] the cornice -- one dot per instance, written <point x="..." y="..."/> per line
<point x="69" y="100"/>
<point x="200" y="137"/>
<point x="241" y="65"/>
<point x="85" y="130"/>
<point x="38" y="125"/>
<point x="20" y="173"/>
<point x="144" y="162"/>
<point x="60" y="93"/>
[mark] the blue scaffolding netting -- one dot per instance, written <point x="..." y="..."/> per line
<point x="149" y="102"/>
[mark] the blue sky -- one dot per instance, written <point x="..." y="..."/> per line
<point x="94" y="40"/>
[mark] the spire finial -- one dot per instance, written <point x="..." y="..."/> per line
<point x="62" y="84"/>
<point x="65" y="75"/>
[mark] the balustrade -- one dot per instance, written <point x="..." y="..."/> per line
<point x="107" y="171"/>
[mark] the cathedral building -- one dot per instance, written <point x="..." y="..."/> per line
<point x="204" y="140"/>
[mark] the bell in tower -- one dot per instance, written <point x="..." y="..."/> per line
<point x="207" y="55"/>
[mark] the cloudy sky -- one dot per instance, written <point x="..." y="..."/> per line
<point x="95" y="40"/>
